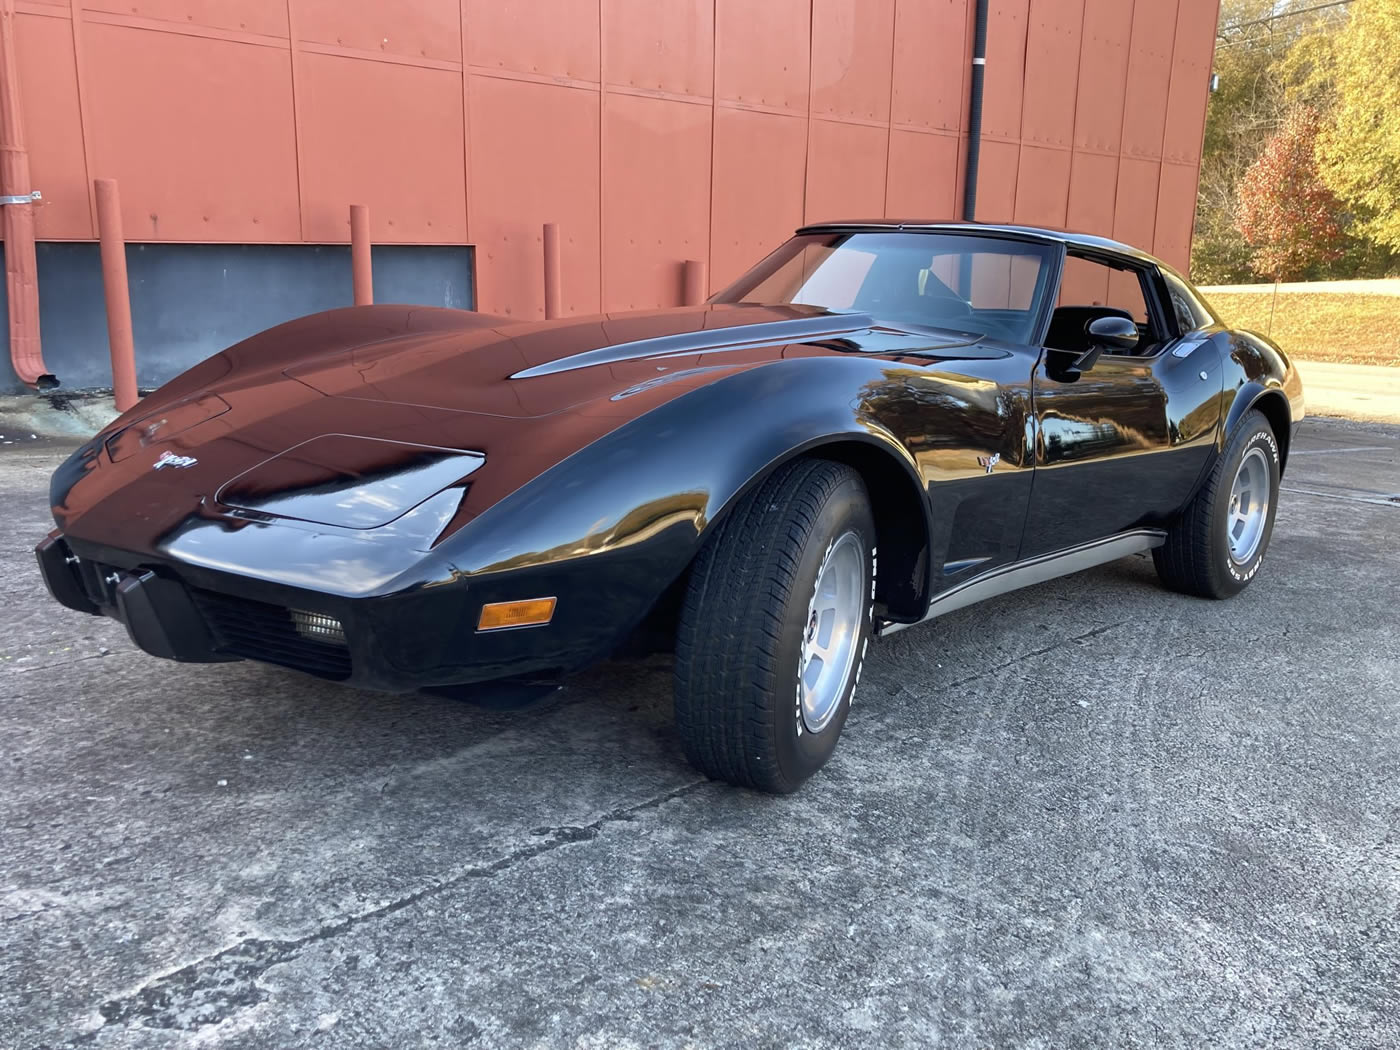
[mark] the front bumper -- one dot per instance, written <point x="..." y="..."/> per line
<point x="422" y="638"/>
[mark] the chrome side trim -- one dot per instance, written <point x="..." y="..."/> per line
<point x="1013" y="577"/>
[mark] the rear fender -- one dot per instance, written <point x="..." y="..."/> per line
<point x="1258" y="375"/>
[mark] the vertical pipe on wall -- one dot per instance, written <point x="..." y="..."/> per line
<point x="21" y="263"/>
<point x="361" y="266"/>
<point x="552" y="271"/>
<point x="974" y="116"/>
<point x="115" y="291"/>
<point x="695" y="282"/>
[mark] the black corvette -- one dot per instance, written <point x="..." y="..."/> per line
<point x="880" y="423"/>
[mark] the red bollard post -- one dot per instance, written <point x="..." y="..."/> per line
<point x="696" y="282"/>
<point x="115" y="291"/>
<point x="552" y="271"/>
<point x="361" y="268"/>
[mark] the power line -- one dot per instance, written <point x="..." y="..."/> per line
<point x="1276" y="17"/>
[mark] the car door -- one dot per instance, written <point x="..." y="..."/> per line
<point x="1120" y="445"/>
<point x="968" y="423"/>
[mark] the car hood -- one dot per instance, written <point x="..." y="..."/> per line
<point x="527" y="370"/>
<point x="357" y="434"/>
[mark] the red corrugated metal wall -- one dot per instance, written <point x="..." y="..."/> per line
<point x="652" y="131"/>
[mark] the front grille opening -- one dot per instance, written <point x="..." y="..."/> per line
<point x="310" y="642"/>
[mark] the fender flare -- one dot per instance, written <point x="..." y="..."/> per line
<point x="1272" y="402"/>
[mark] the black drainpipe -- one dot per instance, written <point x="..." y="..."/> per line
<point x="974" y="116"/>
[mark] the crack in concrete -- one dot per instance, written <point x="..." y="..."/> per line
<point x="1374" y="500"/>
<point x="69" y="663"/>
<point x="1034" y="653"/>
<point x="209" y="990"/>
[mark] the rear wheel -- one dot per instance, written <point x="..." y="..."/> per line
<point x="774" y="626"/>
<point x="1217" y="544"/>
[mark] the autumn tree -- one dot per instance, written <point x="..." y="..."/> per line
<point x="1359" y="152"/>
<point x="1286" y="213"/>
<point x="1245" y="112"/>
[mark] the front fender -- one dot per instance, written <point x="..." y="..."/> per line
<point x="609" y="528"/>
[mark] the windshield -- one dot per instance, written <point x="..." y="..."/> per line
<point x="967" y="283"/>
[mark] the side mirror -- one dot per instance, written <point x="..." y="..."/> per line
<point x="1112" y="333"/>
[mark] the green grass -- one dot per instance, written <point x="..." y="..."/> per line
<point x="1343" y="327"/>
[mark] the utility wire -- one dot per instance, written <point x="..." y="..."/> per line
<point x="1277" y="17"/>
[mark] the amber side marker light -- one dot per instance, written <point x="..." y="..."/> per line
<point x="500" y="615"/>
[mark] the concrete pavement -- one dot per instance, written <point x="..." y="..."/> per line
<point x="1088" y="814"/>
<point x="1367" y="393"/>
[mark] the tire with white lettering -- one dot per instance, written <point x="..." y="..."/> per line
<point x="774" y="627"/>
<point x="1217" y="544"/>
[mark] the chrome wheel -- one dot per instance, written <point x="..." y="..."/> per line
<point x="832" y="634"/>
<point x="1249" y="506"/>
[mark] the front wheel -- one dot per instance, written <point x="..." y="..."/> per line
<point x="774" y="626"/>
<point x="1217" y="544"/>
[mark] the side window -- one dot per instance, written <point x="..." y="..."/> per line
<point x="1090" y="283"/>
<point x="1090" y="289"/>
<point x="1190" y="312"/>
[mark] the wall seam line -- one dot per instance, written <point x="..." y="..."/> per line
<point x="1166" y="116"/>
<point x="889" y="113"/>
<point x="1123" y="120"/>
<point x="603" y="305"/>
<point x="468" y="196"/>
<point x="1074" y="123"/>
<point x="296" y="124"/>
<point x="86" y="127"/>
<point x="714" y="113"/>
<point x="807" y="146"/>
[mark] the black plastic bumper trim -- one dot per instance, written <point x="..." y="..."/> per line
<point x="162" y="619"/>
<point x="61" y="575"/>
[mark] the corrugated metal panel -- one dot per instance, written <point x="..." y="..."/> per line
<point x="268" y="17"/>
<point x="845" y="171"/>
<point x="657" y="164"/>
<point x="358" y="121"/>
<point x="1176" y="210"/>
<point x="1149" y="74"/>
<point x="1052" y="67"/>
<point x="53" y="126"/>
<point x="557" y="38"/>
<point x="1103" y="75"/>
<point x="1135" y="217"/>
<point x="1006" y="63"/>
<point x="996" y="181"/>
<point x="1190" y="80"/>
<point x="430" y="29"/>
<point x="189" y="104"/>
<point x="762" y="52"/>
<point x="198" y="133"/>
<point x="519" y="183"/>
<point x="660" y="47"/>
<point x="1135" y="206"/>
<point x="931" y="54"/>
<point x="851" y="42"/>
<point x="1093" y="188"/>
<point x="923" y="175"/>
<point x="752" y="215"/>
<point x="1042" y="186"/>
